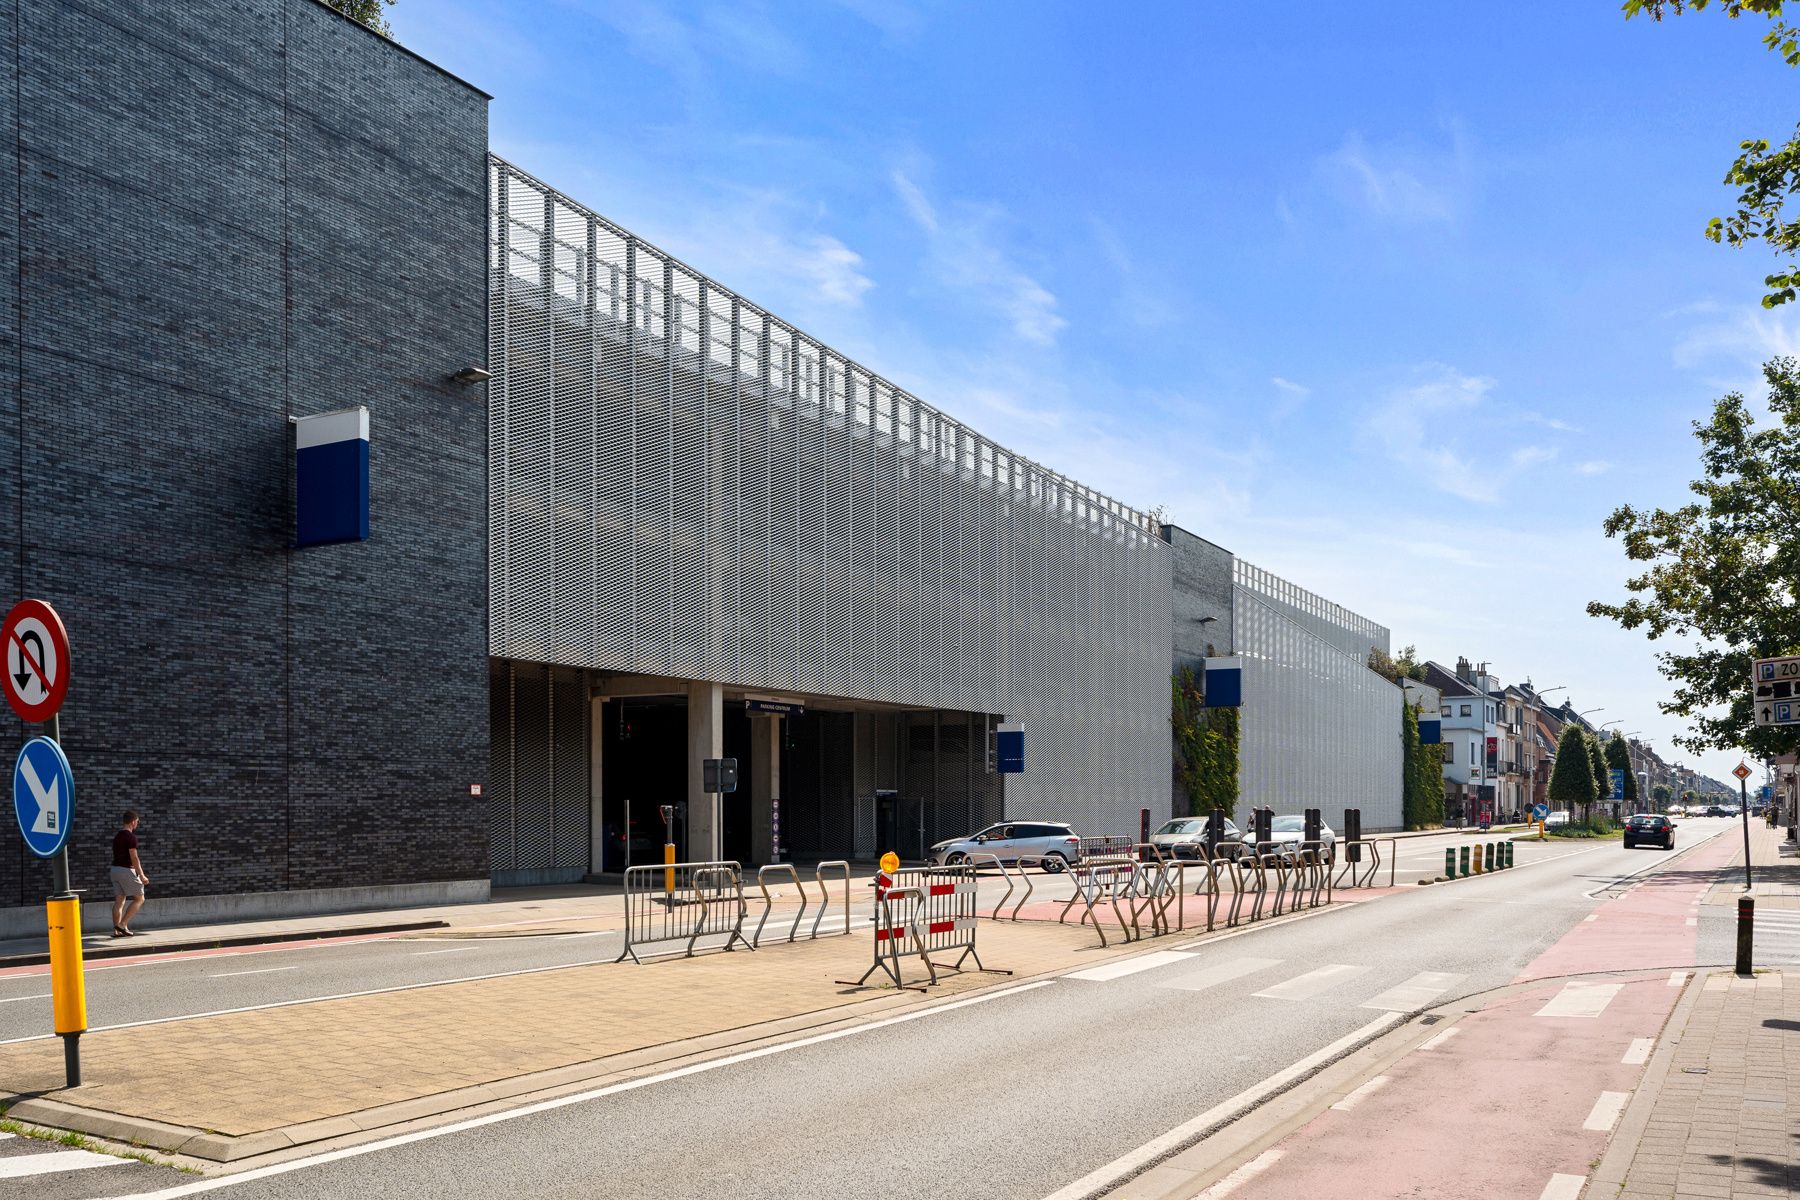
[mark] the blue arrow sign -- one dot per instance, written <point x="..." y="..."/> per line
<point x="43" y="796"/>
<point x="1539" y="811"/>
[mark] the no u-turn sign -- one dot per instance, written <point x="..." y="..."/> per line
<point x="37" y="660"/>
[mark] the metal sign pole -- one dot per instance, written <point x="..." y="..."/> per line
<point x="1744" y="808"/>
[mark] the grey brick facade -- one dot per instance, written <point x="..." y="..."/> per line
<point x="212" y="217"/>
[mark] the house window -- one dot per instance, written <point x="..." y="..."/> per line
<point x="1466" y="711"/>
<point x="1449" y="750"/>
<point x="1444" y="711"/>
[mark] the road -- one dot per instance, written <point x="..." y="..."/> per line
<point x="1013" y="1093"/>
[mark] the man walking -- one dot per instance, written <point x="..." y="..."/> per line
<point x="128" y="878"/>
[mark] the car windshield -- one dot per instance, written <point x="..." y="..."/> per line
<point x="1286" y="825"/>
<point x="1189" y="825"/>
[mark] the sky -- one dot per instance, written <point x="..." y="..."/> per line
<point x="1397" y="300"/>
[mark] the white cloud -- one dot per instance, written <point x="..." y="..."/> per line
<point x="1298" y="390"/>
<point x="1416" y="425"/>
<point x="1556" y="423"/>
<point x="966" y="254"/>
<point x="1592" y="468"/>
<point x="1409" y="184"/>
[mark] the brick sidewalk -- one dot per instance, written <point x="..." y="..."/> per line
<point x="1723" y="1124"/>
<point x="1774" y="867"/>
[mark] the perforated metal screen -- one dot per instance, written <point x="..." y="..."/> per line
<point x="684" y="485"/>
<point x="1318" y="728"/>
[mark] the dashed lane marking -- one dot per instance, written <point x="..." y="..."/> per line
<point x="1677" y="978"/>
<point x="1638" y="1053"/>
<point x="258" y="971"/>
<point x="1563" y="1187"/>
<point x="23" y="1166"/>
<point x="1362" y="1093"/>
<point x="1606" y="1111"/>
<point x="1214" y="974"/>
<point x="1304" y="987"/>
<point x="1241" y="1176"/>
<point x="1416" y="992"/>
<point x="1580" y="1000"/>
<point x="1130" y="966"/>
<point x="1439" y="1039"/>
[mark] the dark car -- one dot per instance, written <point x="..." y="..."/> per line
<point x="1717" y="810"/>
<point x="1649" y="829"/>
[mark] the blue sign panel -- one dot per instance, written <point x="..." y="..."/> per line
<point x="1539" y="811"/>
<point x="1009" y="751"/>
<point x="1618" y="783"/>
<point x="1431" y="731"/>
<point x="1224" y="687"/>
<point x="43" y="796"/>
<point x="331" y="478"/>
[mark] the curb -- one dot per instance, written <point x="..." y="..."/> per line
<point x="141" y="949"/>
<point x="1622" y="1149"/>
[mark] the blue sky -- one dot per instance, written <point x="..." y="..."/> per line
<point x="1397" y="300"/>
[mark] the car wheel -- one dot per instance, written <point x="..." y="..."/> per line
<point x="1055" y="864"/>
<point x="955" y="860"/>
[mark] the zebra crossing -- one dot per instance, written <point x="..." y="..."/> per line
<point x="1777" y="936"/>
<point x="1282" y="980"/>
<point x="47" y="1170"/>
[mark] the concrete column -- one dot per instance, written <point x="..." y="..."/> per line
<point x="706" y="739"/>
<point x="765" y="787"/>
<point x="597" y="827"/>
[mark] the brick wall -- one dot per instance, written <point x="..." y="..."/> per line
<point x="213" y="216"/>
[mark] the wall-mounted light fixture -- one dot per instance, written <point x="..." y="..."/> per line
<point x="473" y="375"/>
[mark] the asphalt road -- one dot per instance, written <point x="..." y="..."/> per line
<point x="1014" y="1095"/>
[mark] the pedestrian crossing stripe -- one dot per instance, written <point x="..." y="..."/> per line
<point x="23" y="1166"/>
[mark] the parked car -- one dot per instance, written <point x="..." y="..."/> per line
<point x="1009" y="841"/>
<point x="1677" y="810"/>
<point x="1287" y="832"/>
<point x="1184" y="837"/>
<point x="1717" y="810"/>
<point x="1649" y="828"/>
<point x="1556" y="818"/>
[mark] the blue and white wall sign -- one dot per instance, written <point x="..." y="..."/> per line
<point x="1009" y="750"/>
<point x="43" y="796"/>
<point x="1224" y="682"/>
<point x="331" y="477"/>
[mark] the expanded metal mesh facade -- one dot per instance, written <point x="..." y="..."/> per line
<point x="684" y="485"/>
<point x="1329" y="622"/>
<point x="1318" y="729"/>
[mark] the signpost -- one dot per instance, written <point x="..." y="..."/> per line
<point x="36" y="681"/>
<point x="1742" y="771"/>
<point x="1746" y="930"/>
<point x="1539" y="814"/>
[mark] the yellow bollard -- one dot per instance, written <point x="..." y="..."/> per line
<point x="68" y="991"/>
<point x="1480" y="858"/>
<point x="669" y="870"/>
<point x="1541" y="834"/>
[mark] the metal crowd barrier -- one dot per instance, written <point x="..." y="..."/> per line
<point x="1352" y="861"/>
<point x="778" y="870"/>
<point x="684" y="902"/>
<point x="939" y="916"/>
<point x="1107" y="846"/>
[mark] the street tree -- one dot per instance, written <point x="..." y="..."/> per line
<point x="1764" y="175"/>
<point x="1662" y="794"/>
<point x="367" y="12"/>
<point x="1618" y="757"/>
<point x="1723" y="571"/>
<point x="1602" y="779"/>
<point x="1572" y="779"/>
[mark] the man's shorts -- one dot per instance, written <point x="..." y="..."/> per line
<point x="125" y="882"/>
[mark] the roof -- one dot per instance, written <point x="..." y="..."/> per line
<point x="1446" y="681"/>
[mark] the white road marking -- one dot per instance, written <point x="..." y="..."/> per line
<point x="16" y="999"/>
<point x="1638" y="1053"/>
<point x="1241" y="1176"/>
<point x="1441" y="1038"/>
<point x="1130" y="966"/>
<point x="1362" y="1093"/>
<point x="1304" y="987"/>
<point x="1606" y="1111"/>
<point x="1214" y="974"/>
<point x="452" y="950"/>
<point x="1416" y="992"/>
<point x="258" y="971"/>
<point x="542" y="1106"/>
<point x="1133" y="1161"/>
<point x="1563" y="1187"/>
<point x="4" y="1136"/>
<point x="1693" y="920"/>
<point x="1580" y="1000"/>
<point x="1677" y="978"/>
<point x="22" y="1165"/>
<point x="1591" y="917"/>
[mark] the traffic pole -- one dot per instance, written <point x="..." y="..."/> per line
<point x="68" y="990"/>
<point x="1744" y="808"/>
<point x="1746" y="931"/>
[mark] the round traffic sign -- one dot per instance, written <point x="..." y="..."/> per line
<point x="890" y="862"/>
<point x="43" y="796"/>
<point x="37" y="660"/>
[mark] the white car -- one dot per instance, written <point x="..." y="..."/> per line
<point x="1556" y="819"/>
<point x="1184" y="837"/>
<point x="1287" y="832"/>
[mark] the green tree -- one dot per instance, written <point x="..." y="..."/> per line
<point x="1765" y="176"/>
<point x="1662" y="794"/>
<point x="1572" y="779"/>
<point x="1602" y="780"/>
<point x="1618" y="757"/>
<point x="1723" y="571"/>
<point x="1206" y="747"/>
<point x="368" y="12"/>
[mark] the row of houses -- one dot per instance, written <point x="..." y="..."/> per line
<point x="1498" y="741"/>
